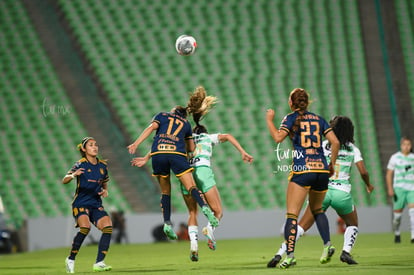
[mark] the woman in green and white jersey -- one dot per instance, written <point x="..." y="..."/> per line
<point x="400" y="184"/>
<point x="339" y="189"/>
<point x="204" y="177"/>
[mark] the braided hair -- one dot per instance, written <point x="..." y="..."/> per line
<point x="299" y="100"/>
<point x="343" y="129"/>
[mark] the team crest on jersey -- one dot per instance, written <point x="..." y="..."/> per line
<point x="89" y="170"/>
<point x="102" y="171"/>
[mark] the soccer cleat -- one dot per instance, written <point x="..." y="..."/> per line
<point x="397" y="239"/>
<point x="327" y="253"/>
<point x="169" y="231"/>
<point x="70" y="265"/>
<point x="287" y="262"/>
<point x="274" y="261"/>
<point x="210" y="216"/>
<point x="101" y="266"/>
<point x="211" y="242"/>
<point x="194" y="256"/>
<point x="347" y="258"/>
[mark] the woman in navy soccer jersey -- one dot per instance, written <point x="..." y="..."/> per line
<point x="339" y="189"/>
<point x="92" y="178"/>
<point x="203" y="173"/>
<point x="310" y="171"/>
<point x="172" y="140"/>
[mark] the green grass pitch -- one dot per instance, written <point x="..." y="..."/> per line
<point x="376" y="253"/>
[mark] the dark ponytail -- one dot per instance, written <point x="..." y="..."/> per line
<point x="198" y="129"/>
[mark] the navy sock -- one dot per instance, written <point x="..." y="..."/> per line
<point x="104" y="243"/>
<point x="77" y="242"/>
<point x="166" y="207"/>
<point x="323" y="227"/>
<point x="198" y="196"/>
<point x="291" y="227"/>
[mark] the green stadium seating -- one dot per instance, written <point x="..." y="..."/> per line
<point x="404" y="10"/>
<point x="39" y="144"/>
<point x="250" y="55"/>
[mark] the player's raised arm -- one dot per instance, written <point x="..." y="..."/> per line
<point x="144" y="135"/>
<point x="276" y="134"/>
<point x="228" y="137"/>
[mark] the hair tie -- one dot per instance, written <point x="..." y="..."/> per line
<point x="84" y="141"/>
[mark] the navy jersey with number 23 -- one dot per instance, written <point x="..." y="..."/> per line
<point x="307" y="142"/>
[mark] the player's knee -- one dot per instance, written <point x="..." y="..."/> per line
<point x="317" y="211"/>
<point x="107" y="229"/>
<point x="218" y="212"/>
<point x="84" y="230"/>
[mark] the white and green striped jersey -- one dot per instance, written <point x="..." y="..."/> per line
<point x="204" y="149"/>
<point x="403" y="167"/>
<point x="347" y="155"/>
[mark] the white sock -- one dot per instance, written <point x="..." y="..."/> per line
<point x="300" y="233"/>
<point x="411" y="213"/>
<point x="350" y="235"/>
<point x="193" y="234"/>
<point x="282" y="248"/>
<point x="396" y="221"/>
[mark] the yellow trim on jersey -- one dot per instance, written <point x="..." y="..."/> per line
<point x="162" y="176"/>
<point x="99" y="161"/>
<point x="185" y="172"/>
<point x="327" y="131"/>
<point x="311" y="171"/>
<point x="284" y="129"/>
<point x="103" y="162"/>
<point x="166" y="152"/>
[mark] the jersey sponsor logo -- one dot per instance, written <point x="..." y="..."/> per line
<point x="166" y="147"/>
<point x="315" y="165"/>
<point x="311" y="151"/>
<point x="172" y="137"/>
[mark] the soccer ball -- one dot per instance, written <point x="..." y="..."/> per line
<point x="185" y="45"/>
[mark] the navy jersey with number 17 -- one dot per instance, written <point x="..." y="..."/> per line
<point x="308" y="153"/>
<point x="171" y="134"/>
